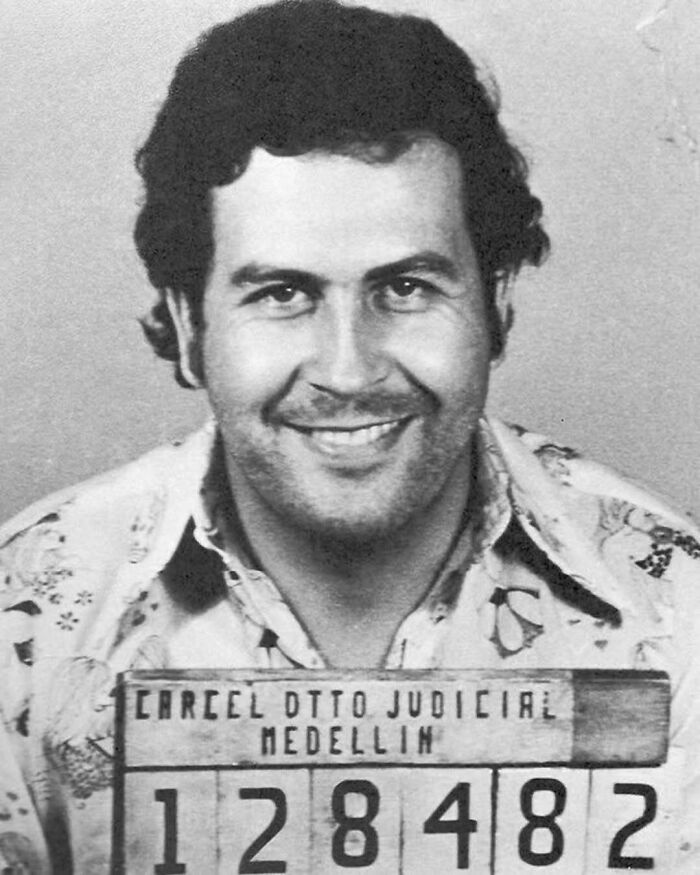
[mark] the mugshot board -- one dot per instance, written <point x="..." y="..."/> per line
<point x="416" y="772"/>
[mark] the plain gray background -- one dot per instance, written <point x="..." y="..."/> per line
<point x="602" y="97"/>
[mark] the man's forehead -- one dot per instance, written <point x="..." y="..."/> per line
<point x="424" y="156"/>
<point x="317" y="206"/>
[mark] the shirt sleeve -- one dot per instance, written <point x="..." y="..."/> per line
<point x="22" y="843"/>
<point x="684" y="571"/>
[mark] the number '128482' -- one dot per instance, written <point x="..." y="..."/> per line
<point x="389" y="820"/>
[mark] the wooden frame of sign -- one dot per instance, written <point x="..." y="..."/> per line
<point x="256" y="771"/>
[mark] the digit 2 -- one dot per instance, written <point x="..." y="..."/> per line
<point x="615" y="858"/>
<point x="249" y="865"/>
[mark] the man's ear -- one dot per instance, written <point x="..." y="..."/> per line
<point x="187" y="337"/>
<point x="503" y="315"/>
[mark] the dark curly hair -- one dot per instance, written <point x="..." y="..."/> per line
<point x="304" y="75"/>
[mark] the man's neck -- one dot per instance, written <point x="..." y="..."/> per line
<point x="351" y="597"/>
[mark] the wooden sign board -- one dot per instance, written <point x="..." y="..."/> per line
<point x="387" y="772"/>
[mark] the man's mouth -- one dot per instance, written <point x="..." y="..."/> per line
<point x="336" y="438"/>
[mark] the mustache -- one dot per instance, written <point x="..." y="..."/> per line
<point x="327" y="407"/>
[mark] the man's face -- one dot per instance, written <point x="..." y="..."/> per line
<point x="345" y="346"/>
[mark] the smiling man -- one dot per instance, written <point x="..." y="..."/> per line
<point x="346" y="355"/>
<point x="332" y="218"/>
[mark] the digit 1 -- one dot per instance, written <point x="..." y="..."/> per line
<point x="169" y="866"/>
<point x="462" y="825"/>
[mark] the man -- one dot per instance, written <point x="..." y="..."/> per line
<point x="332" y="243"/>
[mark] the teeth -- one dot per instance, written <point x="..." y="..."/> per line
<point x="352" y="438"/>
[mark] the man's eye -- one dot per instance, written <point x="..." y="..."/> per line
<point x="404" y="288"/>
<point x="282" y="299"/>
<point x="405" y="294"/>
<point x="284" y="294"/>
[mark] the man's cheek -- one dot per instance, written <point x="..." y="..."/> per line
<point x="447" y="367"/>
<point x="246" y="374"/>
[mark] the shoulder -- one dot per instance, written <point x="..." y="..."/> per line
<point x="96" y="524"/>
<point x="639" y="535"/>
<point x="577" y="480"/>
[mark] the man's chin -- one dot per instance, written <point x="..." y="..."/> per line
<point x="348" y="529"/>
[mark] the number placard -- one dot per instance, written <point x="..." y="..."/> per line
<point x="383" y="780"/>
<point x="389" y="820"/>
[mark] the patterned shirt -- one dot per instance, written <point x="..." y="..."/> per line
<point x="561" y="564"/>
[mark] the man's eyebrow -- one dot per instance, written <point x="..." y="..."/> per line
<point x="255" y="274"/>
<point x="423" y="262"/>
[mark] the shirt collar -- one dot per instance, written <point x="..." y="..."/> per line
<point x="543" y="503"/>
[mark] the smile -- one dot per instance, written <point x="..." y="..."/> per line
<point x="333" y="438"/>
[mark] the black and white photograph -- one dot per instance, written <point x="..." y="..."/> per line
<point x="349" y="503"/>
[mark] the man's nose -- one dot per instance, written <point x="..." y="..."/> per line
<point x="349" y="355"/>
